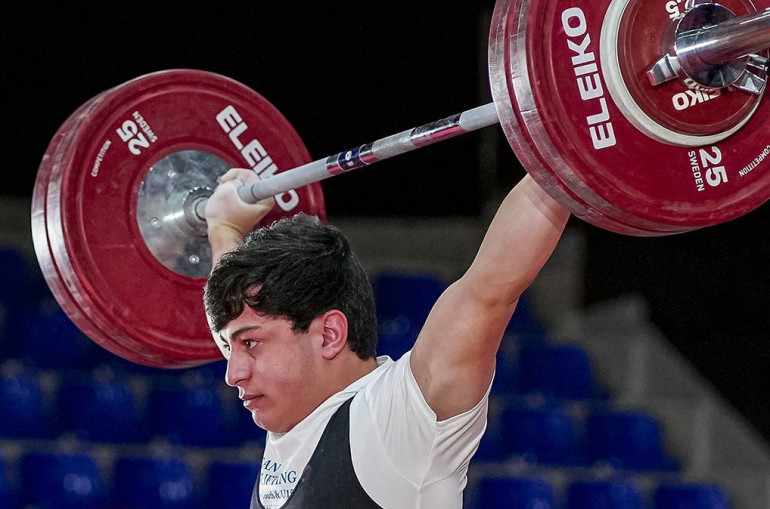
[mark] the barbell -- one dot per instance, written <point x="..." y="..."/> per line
<point x="642" y="117"/>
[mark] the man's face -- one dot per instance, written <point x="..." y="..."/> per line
<point x="274" y="368"/>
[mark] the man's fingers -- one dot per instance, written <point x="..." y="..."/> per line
<point x="236" y="173"/>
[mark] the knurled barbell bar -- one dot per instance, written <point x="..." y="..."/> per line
<point x="628" y="140"/>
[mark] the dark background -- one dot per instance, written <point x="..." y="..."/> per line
<point x="347" y="72"/>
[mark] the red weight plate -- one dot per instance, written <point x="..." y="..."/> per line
<point x="505" y="73"/>
<point x="89" y="320"/>
<point x="92" y="202"/>
<point x="598" y="153"/>
<point x="53" y="156"/>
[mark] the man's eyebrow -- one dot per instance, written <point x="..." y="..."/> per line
<point x="239" y="332"/>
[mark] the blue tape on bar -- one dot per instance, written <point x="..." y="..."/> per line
<point x="348" y="160"/>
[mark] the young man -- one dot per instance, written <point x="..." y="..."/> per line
<point x="293" y="313"/>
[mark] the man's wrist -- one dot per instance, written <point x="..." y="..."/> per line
<point x="223" y="238"/>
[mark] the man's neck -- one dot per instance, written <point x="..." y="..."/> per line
<point x="351" y="370"/>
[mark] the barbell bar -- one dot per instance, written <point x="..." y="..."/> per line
<point x="365" y="155"/>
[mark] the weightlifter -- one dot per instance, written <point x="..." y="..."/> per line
<point x="292" y="311"/>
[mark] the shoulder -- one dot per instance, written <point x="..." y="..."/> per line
<point x="400" y="452"/>
<point x="391" y="413"/>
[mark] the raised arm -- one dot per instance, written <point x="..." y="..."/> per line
<point x="453" y="359"/>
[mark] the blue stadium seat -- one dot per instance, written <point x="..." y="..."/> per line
<point x="213" y="372"/>
<point x="524" y="324"/>
<point x="24" y="413"/>
<point x="5" y="345"/>
<point x="22" y="287"/>
<point x="230" y="484"/>
<point x="558" y="371"/>
<point x="507" y="373"/>
<point x="490" y="447"/>
<point x="540" y="435"/>
<point x="403" y="303"/>
<point x="101" y="411"/>
<point x="690" y="496"/>
<point x="126" y="367"/>
<point x="603" y="495"/>
<point x="61" y="481"/>
<point x="8" y="495"/>
<point x="45" y="337"/>
<point x="627" y="439"/>
<point x="154" y="483"/>
<point x="190" y="416"/>
<point x="17" y="288"/>
<point x="514" y="493"/>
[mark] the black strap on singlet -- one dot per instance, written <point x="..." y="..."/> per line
<point x="328" y="481"/>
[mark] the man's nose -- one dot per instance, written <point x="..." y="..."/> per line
<point x="238" y="369"/>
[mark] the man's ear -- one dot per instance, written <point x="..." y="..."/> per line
<point x="335" y="333"/>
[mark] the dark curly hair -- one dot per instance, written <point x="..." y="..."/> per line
<point x="303" y="269"/>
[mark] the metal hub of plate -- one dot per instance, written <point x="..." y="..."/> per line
<point x="165" y="210"/>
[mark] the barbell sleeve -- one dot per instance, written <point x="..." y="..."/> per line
<point x="734" y="38"/>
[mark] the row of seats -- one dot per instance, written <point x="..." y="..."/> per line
<point x="75" y="481"/>
<point x="528" y="365"/>
<point x="524" y="366"/>
<point x="558" y="436"/>
<point x="526" y="362"/>
<point x="109" y="410"/>
<point x="531" y="493"/>
<point x="78" y="481"/>
<point x="551" y="370"/>
<point x="554" y="371"/>
<point x="198" y="414"/>
<point x="98" y="410"/>
<point x="28" y="315"/>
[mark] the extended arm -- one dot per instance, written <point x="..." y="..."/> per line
<point x="453" y="359"/>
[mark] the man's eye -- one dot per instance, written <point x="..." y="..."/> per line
<point x="249" y="343"/>
<point x="226" y="346"/>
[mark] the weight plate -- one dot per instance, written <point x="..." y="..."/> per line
<point x="93" y="196"/>
<point x="53" y="155"/>
<point x="505" y="73"/>
<point x="597" y="152"/>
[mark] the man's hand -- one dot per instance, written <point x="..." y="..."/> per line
<point x="228" y="218"/>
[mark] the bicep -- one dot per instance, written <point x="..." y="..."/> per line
<point x="454" y="356"/>
<point x="453" y="359"/>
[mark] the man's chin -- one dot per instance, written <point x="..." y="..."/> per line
<point x="261" y="422"/>
<point x="270" y="426"/>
